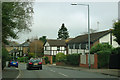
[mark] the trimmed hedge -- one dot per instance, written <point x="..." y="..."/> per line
<point x="103" y="58"/>
<point x="73" y="59"/>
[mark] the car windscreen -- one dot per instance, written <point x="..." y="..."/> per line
<point x="35" y="60"/>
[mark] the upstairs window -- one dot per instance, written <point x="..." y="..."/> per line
<point x="76" y="46"/>
<point x="70" y="46"/>
<point x="58" y="48"/>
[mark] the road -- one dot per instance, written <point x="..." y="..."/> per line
<point x="52" y="72"/>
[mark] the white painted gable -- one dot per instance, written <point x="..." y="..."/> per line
<point x="47" y="44"/>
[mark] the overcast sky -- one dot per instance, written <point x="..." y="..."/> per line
<point x="49" y="16"/>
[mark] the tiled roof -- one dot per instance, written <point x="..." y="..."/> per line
<point x="93" y="37"/>
<point x="55" y="42"/>
<point x="12" y="43"/>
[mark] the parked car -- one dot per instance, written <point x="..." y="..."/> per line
<point x="34" y="63"/>
<point x="13" y="63"/>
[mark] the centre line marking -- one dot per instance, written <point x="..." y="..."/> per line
<point x="62" y="74"/>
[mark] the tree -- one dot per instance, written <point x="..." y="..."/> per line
<point x="116" y="31"/>
<point x="43" y="39"/>
<point x="63" y="33"/>
<point x="16" y="17"/>
<point x="36" y="47"/>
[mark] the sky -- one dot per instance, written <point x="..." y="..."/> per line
<point x="49" y="16"/>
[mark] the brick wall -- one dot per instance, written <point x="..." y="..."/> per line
<point x="95" y="65"/>
<point x="49" y="58"/>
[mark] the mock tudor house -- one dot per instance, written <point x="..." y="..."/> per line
<point x="79" y="44"/>
<point x="54" y="46"/>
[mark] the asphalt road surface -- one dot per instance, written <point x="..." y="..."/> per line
<point x="52" y="72"/>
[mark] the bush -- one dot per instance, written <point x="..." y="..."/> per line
<point x="23" y="59"/>
<point x="31" y="55"/>
<point x="103" y="58"/>
<point x="73" y="59"/>
<point x="4" y="57"/>
<point x="60" y="57"/>
<point x="54" y="58"/>
<point x="116" y="50"/>
<point x="46" y="59"/>
<point x="100" y="47"/>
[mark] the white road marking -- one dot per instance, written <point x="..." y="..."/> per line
<point x="52" y="70"/>
<point x="18" y="75"/>
<point x="62" y="74"/>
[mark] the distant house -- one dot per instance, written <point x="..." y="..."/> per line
<point x="24" y="47"/>
<point x="12" y="48"/>
<point x="80" y="43"/>
<point x="52" y="47"/>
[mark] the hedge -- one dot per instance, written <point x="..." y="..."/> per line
<point x="60" y="57"/>
<point x="103" y="58"/>
<point x="72" y="59"/>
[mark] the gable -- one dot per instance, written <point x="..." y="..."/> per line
<point x="47" y="44"/>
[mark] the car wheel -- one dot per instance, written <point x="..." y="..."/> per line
<point x="40" y="68"/>
<point x="28" y="68"/>
<point x="16" y="66"/>
<point x="8" y="65"/>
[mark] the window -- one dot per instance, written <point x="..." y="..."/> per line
<point x="83" y="46"/>
<point x="76" y="46"/>
<point x="70" y="46"/>
<point x="58" y="48"/>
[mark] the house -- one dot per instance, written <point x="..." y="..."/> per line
<point x="53" y="46"/>
<point x="12" y="48"/>
<point x="24" y="48"/>
<point x="80" y="43"/>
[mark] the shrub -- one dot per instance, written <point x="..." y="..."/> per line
<point x="116" y="50"/>
<point x="4" y="57"/>
<point x="60" y="57"/>
<point x="31" y="55"/>
<point x="23" y="59"/>
<point x="73" y="59"/>
<point x="46" y="59"/>
<point x="54" y="58"/>
<point x="100" y="47"/>
<point x="103" y="58"/>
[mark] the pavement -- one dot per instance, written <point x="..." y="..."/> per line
<point x="111" y="72"/>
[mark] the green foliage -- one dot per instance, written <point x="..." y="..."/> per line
<point x="46" y="59"/>
<point x="31" y="55"/>
<point x="63" y="33"/>
<point x="16" y="17"/>
<point x="103" y="58"/>
<point x="60" y="57"/>
<point x="100" y="47"/>
<point x="116" y="50"/>
<point x="23" y="59"/>
<point x="43" y="39"/>
<point x="116" y="31"/>
<point x="53" y="58"/>
<point x="73" y="59"/>
<point x="4" y="57"/>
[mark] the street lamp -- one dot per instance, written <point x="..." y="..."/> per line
<point x="88" y="29"/>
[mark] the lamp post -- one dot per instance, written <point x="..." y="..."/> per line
<point x="88" y="29"/>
